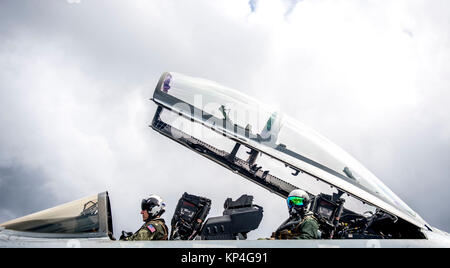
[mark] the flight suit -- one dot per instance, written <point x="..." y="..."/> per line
<point x="307" y="228"/>
<point x="155" y="229"/>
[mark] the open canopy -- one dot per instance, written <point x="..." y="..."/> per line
<point x="246" y="120"/>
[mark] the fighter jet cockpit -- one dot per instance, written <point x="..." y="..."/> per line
<point x="261" y="145"/>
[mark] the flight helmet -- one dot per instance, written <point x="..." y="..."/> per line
<point x="297" y="201"/>
<point x="154" y="205"/>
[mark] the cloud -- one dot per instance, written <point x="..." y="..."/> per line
<point x="16" y="185"/>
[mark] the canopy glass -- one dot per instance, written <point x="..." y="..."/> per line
<point x="241" y="117"/>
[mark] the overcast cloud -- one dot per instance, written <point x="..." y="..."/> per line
<point x="76" y="78"/>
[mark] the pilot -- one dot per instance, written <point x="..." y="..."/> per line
<point x="154" y="227"/>
<point x="301" y="224"/>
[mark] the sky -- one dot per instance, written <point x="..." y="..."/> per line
<point x="76" y="78"/>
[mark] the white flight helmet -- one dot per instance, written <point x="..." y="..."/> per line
<point x="154" y="205"/>
<point x="297" y="199"/>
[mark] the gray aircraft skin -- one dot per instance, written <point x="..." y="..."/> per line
<point x="204" y="116"/>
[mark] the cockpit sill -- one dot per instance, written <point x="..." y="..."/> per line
<point x="12" y="239"/>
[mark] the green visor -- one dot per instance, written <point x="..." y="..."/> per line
<point x="295" y="201"/>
